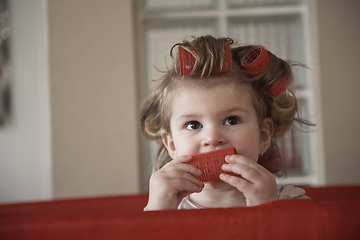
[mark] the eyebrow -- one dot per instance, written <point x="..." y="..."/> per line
<point x="237" y="109"/>
<point x="189" y="116"/>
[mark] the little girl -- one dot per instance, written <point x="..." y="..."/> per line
<point x="214" y="97"/>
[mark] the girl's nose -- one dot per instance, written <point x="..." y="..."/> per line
<point x="213" y="137"/>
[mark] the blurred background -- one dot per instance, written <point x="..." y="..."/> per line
<point x="74" y="72"/>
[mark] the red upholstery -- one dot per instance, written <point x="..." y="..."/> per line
<point x="334" y="193"/>
<point x="329" y="215"/>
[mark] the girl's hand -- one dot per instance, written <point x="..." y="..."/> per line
<point x="173" y="182"/>
<point x="257" y="184"/>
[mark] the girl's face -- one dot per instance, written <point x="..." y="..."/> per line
<point x="203" y="120"/>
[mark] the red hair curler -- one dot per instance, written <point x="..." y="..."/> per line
<point x="256" y="60"/>
<point x="278" y="87"/>
<point x="187" y="61"/>
<point x="210" y="164"/>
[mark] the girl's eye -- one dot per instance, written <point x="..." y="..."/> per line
<point x="233" y="120"/>
<point x="193" y="125"/>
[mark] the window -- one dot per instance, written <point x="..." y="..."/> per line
<point x="282" y="26"/>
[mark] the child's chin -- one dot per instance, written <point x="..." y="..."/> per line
<point x="216" y="184"/>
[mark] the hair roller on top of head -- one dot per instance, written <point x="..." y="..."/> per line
<point x="257" y="59"/>
<point x="188" y="61"/>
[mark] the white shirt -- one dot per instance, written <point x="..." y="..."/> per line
<point x="285" y="192"/>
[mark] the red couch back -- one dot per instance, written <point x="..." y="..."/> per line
<point x="334" y="213"/>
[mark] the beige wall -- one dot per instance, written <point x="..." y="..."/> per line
<point x="93" y="98"/>
<point x="339" y="48"/>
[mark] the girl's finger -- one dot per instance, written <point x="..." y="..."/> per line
<point x="238" y="159"/>
<point x="178" y="174"/>
<point x="176" y="161"/>
<point x="239" y="183"/>
<point x="246" y="172"/>
<point x="179" y="163"/>
<point x="247" y="162"/>
<point x="183" y="185"/>
<point x="181" y="159"/>
<point x="189" y="169"/>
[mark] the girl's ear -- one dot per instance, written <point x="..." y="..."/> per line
<point x="266" y="134"/>
<point x="168" y="143"/>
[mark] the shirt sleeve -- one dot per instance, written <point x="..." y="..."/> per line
<point x="291" y="192"/>
<point x="187" y="204"/>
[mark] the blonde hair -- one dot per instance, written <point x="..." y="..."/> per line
<point x="209" y="60"/>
